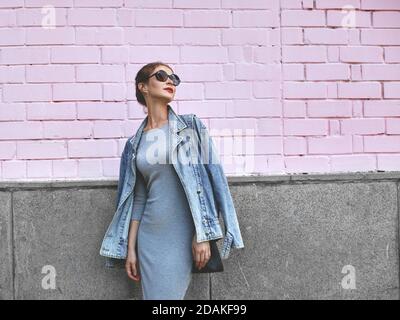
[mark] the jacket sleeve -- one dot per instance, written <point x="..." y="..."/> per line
<point x="222" y="194"/>
<point x="140" y="198"/>
<point x="122" y="167"/>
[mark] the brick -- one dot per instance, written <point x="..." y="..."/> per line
<point x="67" y="129"/>
<point x="215" y="19"/>
<point x="11" y="3"/>
<point x="246" y="71"/>
<point x="8" y="150"/>
<point x="304" y="18"/>
<point x="92" y="17"/>
<point x="307" y="164"/>
<point x="362" y="90"/>
<point x="292" y="35"/>
<point x="12" y="74"/>
<point x="183" y="4"/>
<point x="391" y="90"/>
<point x="234" y="90"/>
<point x="150" y="36"/>
<point x="252" y="18"/>
<point x="99" y="3"/>
<point x="266" y="89"/>
<point x="75" y="54"/>
<point x="55" y="3"/>
<point x="107" y="129"/>
<point x="38" y="169"/>
<point x="329" y="145"/>
<point x="26" y="92"/>
<point x="14" y="130"/>
<point x="12" y="36"/>
<point x="361" y="54"/>
<point x="353" y="163"/>
<point x="239" y="4"/>
<point x="51" y="111"/>
<point x="362" y="126"/>
<point x="50" y="73"/>
<point x="384" y="108"/>
<point x="91" y="148"/>
<point x="168" y="54"/>
<point x="381" y="143"/>
<point x="36" y="18"/>
<point x="292" y="71"/>
<point x="12" y="112"/>
<point x="242" y="36"/>
<point x="200" y="72"/>
<point x="348" y="18"/>
<point x="295" y="146"/>
<point x="304" y="90"/>
<point x="198" y="54"/>
<point x="305" y="127"/>
<point x="380" y="5"/>
<point x="76" y="91"/>
<point x="100" y="73"/>
<point x="99" y="110"/>
<point x="99" y="35"/>
<point x="393" y="126"/>
<point x="41" y="150"/>
<point x="386" y="19"/>
<point x="197" y="36"/>
<point x="381" y="72"/>
<point x="380" y="36"/>
<point x="159" y="18"/>
<point x="294" y="109"/>
<point x="64" y="168"/>
<point x="390" y="162"/>
<point x="326" y="36"/>
<point x="8" y="18"/>
<point x="60" y="35"/>
<point x="269" y="127"/>
<point x="336" y="4"/>
<point x="328" y="108"/>
<point x="304" y="54"/>
<point x="331" y="71"/>
<point x="114" y="92"/>
<point x="115" y="54"/>
<point x="392" y="54"/>
<point x="14" y="169"/>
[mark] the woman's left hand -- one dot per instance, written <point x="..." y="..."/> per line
<point x="201" y="252"/>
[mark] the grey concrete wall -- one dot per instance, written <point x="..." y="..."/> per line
<point x="306" y="237"/>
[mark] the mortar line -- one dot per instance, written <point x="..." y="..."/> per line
<point x="398" y="236"/>
<point x="12" y="245"/>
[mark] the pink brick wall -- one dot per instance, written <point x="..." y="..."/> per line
<point x="310" y="85"/>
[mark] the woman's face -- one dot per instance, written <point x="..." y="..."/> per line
<point x="157" y="90"/>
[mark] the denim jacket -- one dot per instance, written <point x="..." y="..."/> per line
<point x="194" y="157"/>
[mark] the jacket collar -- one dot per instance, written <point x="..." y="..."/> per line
<point x="175" y="122"/>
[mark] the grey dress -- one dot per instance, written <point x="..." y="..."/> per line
<point x="166" y="229"/>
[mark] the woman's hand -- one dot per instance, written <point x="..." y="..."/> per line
<point x="132" y="265"/>
<point x="201" y="252"/>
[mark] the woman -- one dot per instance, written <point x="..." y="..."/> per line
<point x="164" y="257"/>
<point x="167" y="209"/>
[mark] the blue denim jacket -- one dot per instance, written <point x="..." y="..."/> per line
<point x="194" y="157"/>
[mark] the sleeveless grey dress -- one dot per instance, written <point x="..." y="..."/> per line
<point x="166" y="229"/>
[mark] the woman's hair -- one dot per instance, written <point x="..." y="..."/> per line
<point x="142" y="76"/>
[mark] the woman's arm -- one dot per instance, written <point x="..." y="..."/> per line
<point x="139" y="203"/>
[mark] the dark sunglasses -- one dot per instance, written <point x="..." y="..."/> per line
<point x="162" y="76"/>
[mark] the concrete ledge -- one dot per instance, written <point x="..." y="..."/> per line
<point x="308" y="236"/>
<point x="358" y="176"/>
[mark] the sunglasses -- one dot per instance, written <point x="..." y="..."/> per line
<point x="162" y="76"/>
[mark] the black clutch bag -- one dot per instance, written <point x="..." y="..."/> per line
<point x="214" y="264"/>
